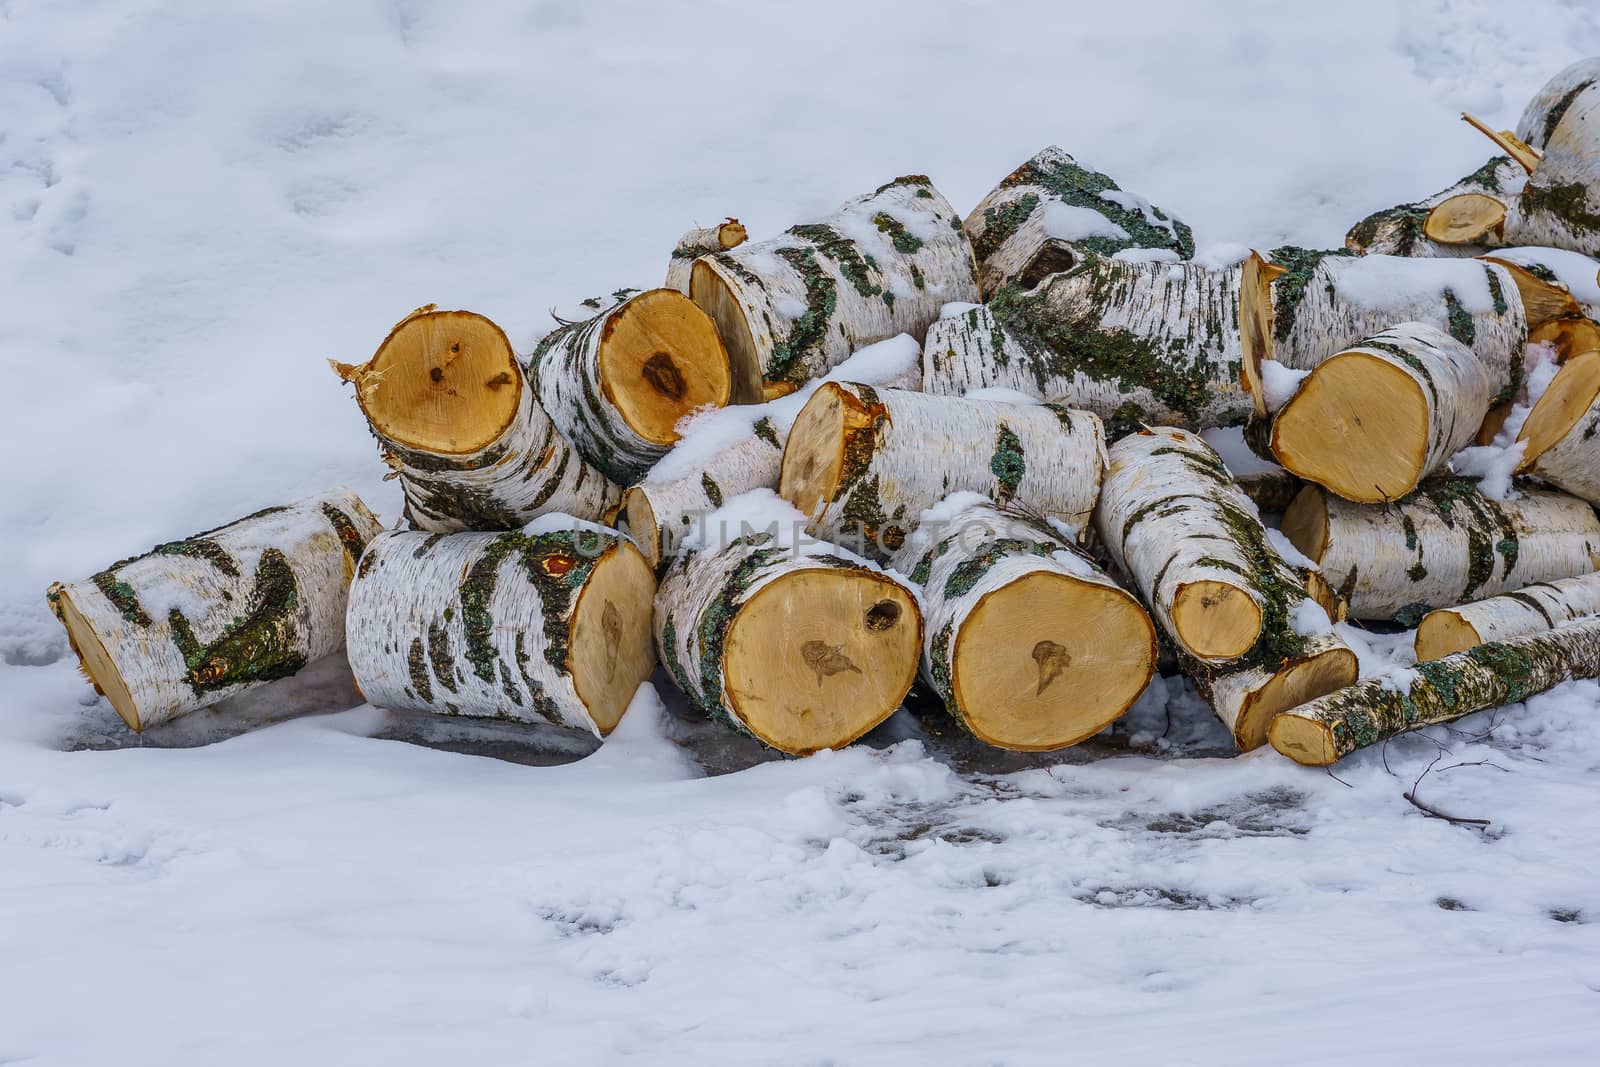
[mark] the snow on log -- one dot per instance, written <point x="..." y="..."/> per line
<point x="1491" y="675"/>
<point x="798" y="646"/>
<point x="1030" y="645"/>
<point x="701" y="242"/>
<point x="863" y="463"/>
<point x="1135" y="343"/>
<point x="1299" y="306"/>
<point x="733" y="450"/>
<point x="458" y="423"/>
<point x="616" y="384"/>
<point x="1370" y="422"/>
<point x="1563" y="430"/>
<point x="537" y="627"/>
<point x="195" y="621"/>
<point x="1530" y="610"/>
<point x="792" y="307"/>
<point x="1050" y="210"/>
<point x="1444" y="544"/>
<point x="1452" y="222"/>
<point x="1560" y="292"/>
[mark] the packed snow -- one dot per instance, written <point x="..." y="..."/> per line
<point x="200" y="203"/>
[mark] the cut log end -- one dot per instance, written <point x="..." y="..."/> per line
<point x="712" y="294"/>
<point x="93" y="659"/>
<point x="1048" y="660"/>
<point x="731" y="234"/>
<point x="1255" y="325"/>
<point x="612" y="650"/>
<point x="1305" y="523"/>
<point x="661" y="358"/>
<point x="818" y="657"/>
<point x="1357" y="425"/>
<point x="1569" y="336"/>
<point x="1569" y="396"/>
<point x="1215" y="620"/>
<point x="813" y="457"/>
<point x="1442" y="633"/>
<point x="1465" y="219"/>
<point x="1306" y="741"/>
<point x="642" y="526"/>
<point x="1298" y="682"/>
<point x="445" y="382"/>
<point x="1543" y="301"/>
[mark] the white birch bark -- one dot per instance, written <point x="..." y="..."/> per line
<point x="1573" y="462"/>
<point x="195" y="621"/>
<point x="792" y="307"/>
<point x="1530" y="610"/>
<point x="901" y="452"/>
<point x="1415" y="230"/>
<point x="1508" y="672"/>
<point x="701" y="242"/>
<point x="980" y="550"/>
<point x="1560" y="205"/>
<point x="1443" y="545"/>
<point x="482" y="624"/>
<point x="1549" y="105"/>
<point x="1456" y="391"/>
<point x="1150" y="343"/>
<point x="1047" y="212"/>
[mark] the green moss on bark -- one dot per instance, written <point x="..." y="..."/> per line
<point x="260" y="645"/>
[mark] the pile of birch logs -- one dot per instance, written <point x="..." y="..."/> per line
<point x="895" y="443"/>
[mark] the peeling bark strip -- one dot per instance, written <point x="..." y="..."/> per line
<point x="864" y="463"/>
<point x="1051" y="210"/>
<point x="192" y="622"/>
<point x="1488" y="676"/>
<point x="457" y="421"/>
<point x="1531" y="610"/>
<point x="1030" y="645"/>
<point x="801" y="652"/>
<point x="551" y="627"/>
<point x="1443" y="545"/>
<point x="615" y="385"/>
<point x="1370" y="422"/>
<point x="701" y="242"/>
<point x="1305" y="305"/>
<point x="1450" y="223"/>
<point x="662" y="508"/>
<point x="1563" y="430"/>
<point x="792" y="307"/>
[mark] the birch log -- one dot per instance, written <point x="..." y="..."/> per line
<point x="701" y="242"/>
<point x="543" y="627"/>
<point x="802" y="652"/>
<point x="1135" y="343"/>
<point x="1303" y="306"/>
<point x="1488" y="676"/>
<point x="1451" y="222"/>
<point x="1030" y="646"/>
<point x="737" y="449"/>
<point x="1549" y="105"/>
<point x="792" y="307"/>
<point x="862" y="463"/>
<point x="1534" y="609"/>
<point x="1562" y="432"/>
<point x="615" y="385"/>
<point x="1047" y="212"/>
<point x="458" y="423"/>
<point x="1561" y="293"/>
<point x="1248" y="699"/>
<point x="195" y="621"/>
<point x="1370" y="422"/>
<point x="1445" y="544"/>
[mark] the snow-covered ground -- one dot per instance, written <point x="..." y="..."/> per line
<point x="199" y="203"/>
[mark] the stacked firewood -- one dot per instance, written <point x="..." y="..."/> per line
<point x="757" y="476"/>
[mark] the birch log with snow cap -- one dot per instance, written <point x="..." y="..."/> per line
<point x="1562" y="432"/>
<point x="801" y="648"/>
<point x="1561" y="294"/>
<point x="195" y="621"/>
<point x="1488" y="676"/>
<point x="701" y="242"/>
<point x="457" y="421"/>
<point x="1135" y="343"/>
<point x="617" y="384"/>
<point x="737" y="449"/>
<point x="863" y="463"/>
<point x="1449" y="223"/>
<point x="792" y="307"/>
<point x="1050" y="210"/>
<point x="1444" y="544"/>
<point x="548" y="626"/>
<point x="1370" y="422"/>
<point x="1529" y="610"/>
<point x="1174" y="521"/>
<point x="1303" y="306"/>
<point x="1028" y="643"/>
